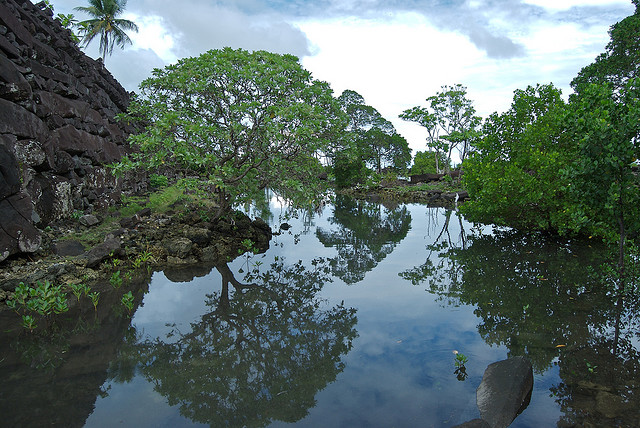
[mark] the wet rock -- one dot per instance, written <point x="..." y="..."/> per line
<point x="68" y="248"/>
<point x="285" y="226"/>
<point x="505" y="391"/>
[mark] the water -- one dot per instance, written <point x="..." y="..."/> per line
<point x="350" y="319"/>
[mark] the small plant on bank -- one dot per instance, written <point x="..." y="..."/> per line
<point x="78" y="290"/>
<point x="127" y="301"/>
<point x="116" y="279"/>
<point x="95" y="298"/>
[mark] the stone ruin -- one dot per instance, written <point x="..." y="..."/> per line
<point x="57" y="127"/>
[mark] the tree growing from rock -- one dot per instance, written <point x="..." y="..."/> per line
<point x="239" y="122"/>
<point x="105" y="23"/>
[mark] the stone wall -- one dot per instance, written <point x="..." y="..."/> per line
<point x="57" y="127"/>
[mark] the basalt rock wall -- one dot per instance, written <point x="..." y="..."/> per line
<point x="57" y="127"/>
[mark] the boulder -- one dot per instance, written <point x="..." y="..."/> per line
<point x="178" y="247"/>
<point x="88" y="220"/>
<point x="101" y="252"/>
<point x="505" y="391"/>
<point x="68" y="248"/>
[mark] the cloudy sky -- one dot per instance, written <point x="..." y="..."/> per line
<point x="395" y="53"/>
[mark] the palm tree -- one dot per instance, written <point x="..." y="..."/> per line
<point x="104" y="23"/>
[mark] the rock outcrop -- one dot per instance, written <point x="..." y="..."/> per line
<point x="57" y="127"/>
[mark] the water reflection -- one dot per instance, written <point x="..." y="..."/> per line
<point x="542" y="298"/>
<point x="366" y="233"/>
<point x="261" y="352"/>
<point x="52" y="377"/>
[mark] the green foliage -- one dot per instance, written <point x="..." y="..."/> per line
<point x="116" y="279"/>
<point x="44" y="299"/>
<point x="240" y="122"/>
<point x="95" y="298"/>
<point x="105" y="23"/>
<point x="159" y="181"/>
<point x="621" y="59"/>
<point x="460" y="359"/>
<point x="606" y="125"/>
<point x="427" y="162"/>
<point x="349" y="170"/>
<point x="450" y="121"/>
<point x="127" y="301"/>
<point x="369" y="141"/>
<point x="514" y="176"/>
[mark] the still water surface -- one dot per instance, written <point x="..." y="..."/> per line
<point x="350" y="319"/>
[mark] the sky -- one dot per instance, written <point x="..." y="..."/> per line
<point x="395" y="53"/>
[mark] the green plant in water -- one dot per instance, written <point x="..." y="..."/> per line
<point x="29" y="322"/>
<point x="459" y="362"/>
<point x="127" y="301"/>
<point x="116" y="279"/>
<point x="78" y="290"/>
<point x="95" y="298"/>
<point x="590" y="367"/>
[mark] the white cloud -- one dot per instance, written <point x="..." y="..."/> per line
<point x="568" y="4"/>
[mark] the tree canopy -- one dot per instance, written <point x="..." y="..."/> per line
<point x="105" y="23"/>
<point x="240" y="122"/>
<point x="515" y="173"/>
<point x="370" y="141"/>
<point x="450" y="121"/>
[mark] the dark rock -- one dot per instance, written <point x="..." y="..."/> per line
<point x="99" y="253"/>
<point x="424" y="178"/>
<point x="9" y="174"/>
<point x="68" y="248"/>
<point x="178" y="247"/>
<point x="29" y="152"/>
<point x="285" y="226"/>
<point x="197" y="235"/>
<point x="145" y="212"/>
<point x="89" y="220"/>
<point x="16" y="120"/>
<point x="127" y="222"/>
<point x="505" y="391"/>
<point x="475" y="423"/>
<point x="17" y="233"/>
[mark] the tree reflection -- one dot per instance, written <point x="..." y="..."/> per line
<point x="532" y="294"/>
<point x="367" y="232"/>
<point x="543" y="299"/>
<point x="261" y="353"/>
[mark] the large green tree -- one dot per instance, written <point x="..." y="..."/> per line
<point x="605" y="123"/>
<point x="240" y="122"/>
<point x="370" y="140"/>
<point x="450" y="121"/>
<point x="620" y="61"/>
<point x="514" y="176"/>
<point x="105" y="23"/>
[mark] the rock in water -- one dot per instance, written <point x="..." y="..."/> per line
<point x="505" y="391"/>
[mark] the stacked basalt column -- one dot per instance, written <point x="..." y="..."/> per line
<point x="58" y="130"/>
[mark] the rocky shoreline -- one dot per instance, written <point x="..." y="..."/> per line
<point x="146" y="240"/>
